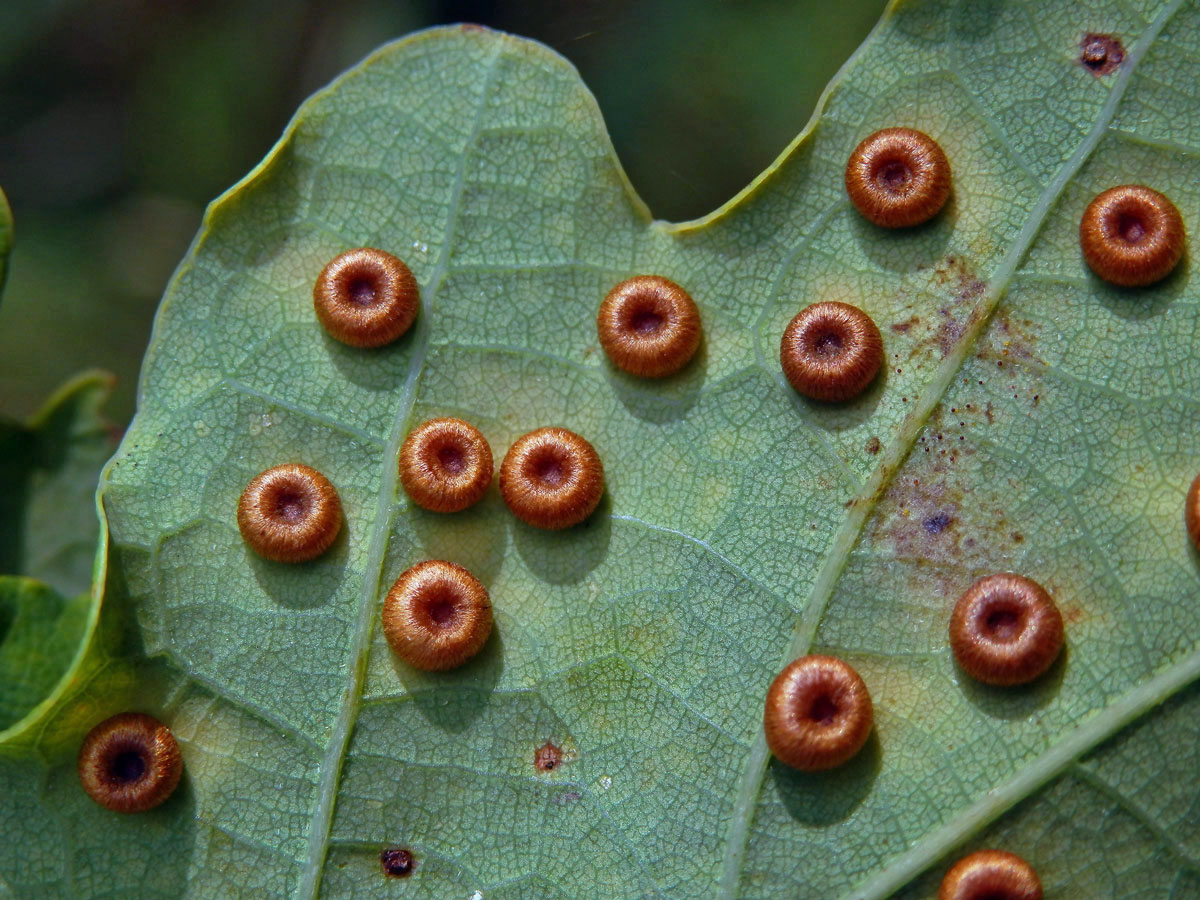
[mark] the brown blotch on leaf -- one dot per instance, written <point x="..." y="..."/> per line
<point x="991" y="875"/>
<point x="831" y="351"/>
<point x="649" y="326"/>
<point x="1100" y="54"/>
<point x="289" y="513"/>
<point x="397" y="862"/>
<point x="547" y="757"/>
<point x="437" y="615"/>
<point x="873" y="445"/>
<point x="445" y="465"/>
<point x="818" y="714"/>
<point x="898" y="177"/>
<point x="1006" y="630"/>
<point x="130" y="763"/>
<point x="366" y="297"/>
<point x="551" y="478"/>
<point x="1132" y="235"/>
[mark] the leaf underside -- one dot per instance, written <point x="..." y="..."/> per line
<point x="1030" y="418"/>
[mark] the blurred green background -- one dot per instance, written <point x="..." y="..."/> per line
<point x="121" y="119"/>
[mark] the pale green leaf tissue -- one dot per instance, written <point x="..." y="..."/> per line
<point x="1030" y="418"/>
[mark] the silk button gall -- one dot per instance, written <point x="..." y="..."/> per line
<point x="130" y="763"/>
<point x="1006" y="630"/>
<point x="1191" y="512"/>
<point x="818" y="714"/>
<point x="1131" y="235"/>
<point x="649" y="326"/>
<point x="898" y="177"/>
<point x="831" y="351"/>
<point x="445" y="465"/>
<point x="289" y="513"/>
<point x="551" y="478"/>
<point x="991" y="875"/>
<point x="366" y="297"/>
<point x="437" y="616"/>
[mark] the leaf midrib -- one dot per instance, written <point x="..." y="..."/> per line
<point x="339" y="741"/>
<point x="1082" y="739"/>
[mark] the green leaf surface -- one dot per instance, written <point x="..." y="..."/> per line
<point x="40" y="633"/>
<point x="1031" y="418"/>
<point x="49" y="467"/>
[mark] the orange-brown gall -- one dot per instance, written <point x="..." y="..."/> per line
<point x="649" y="326"/>
<point x="831" y="351"/>
<point x="991" y="875"/>
<point x="366" y="297"/>
<point x="1006" y="630"/>
<point x="290" y="513"/>
<point x="898" y="177"/>
<point x="445" y="465"/>
<point x="1131" y="235"/>
<point x="1191" y="512"/>
<point x="130" y="763"/>
<point x="437" y="616"/>
<point x="818" y="714"/>
<point x="551" y="478"/>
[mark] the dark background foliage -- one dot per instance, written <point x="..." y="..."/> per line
<point x="121" y="119"/>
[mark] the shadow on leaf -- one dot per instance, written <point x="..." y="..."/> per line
<point x="907" y="249"/>
<point x="306" y="585"/>
<point x="567" y="556"/>
<point x="823" y="798"/>
<point x="474" y="538"/>
<point x="660" y="400"/>
<point x="1139" y="304"/>
<point x="451" y="701"/>
<point x="1018" y="701"/>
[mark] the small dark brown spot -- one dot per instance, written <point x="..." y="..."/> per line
<point x="873" y="445"/>
<point x="1100" y="54"/>
<point x="397" y="862"/>
<point x="547" y="757"/>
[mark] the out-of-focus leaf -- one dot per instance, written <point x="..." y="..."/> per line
<point x="49" y="469"/>
<point x="40" y="633"/>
